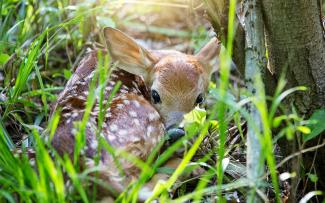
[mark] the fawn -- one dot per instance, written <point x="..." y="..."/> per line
<point x="158" y="88"/>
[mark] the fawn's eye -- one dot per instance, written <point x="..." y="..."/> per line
<point x="155" y="96"/>
<point x="199" y="99"/>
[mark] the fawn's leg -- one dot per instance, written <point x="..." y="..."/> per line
<point x="147" y="190"/>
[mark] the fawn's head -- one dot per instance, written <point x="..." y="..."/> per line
<point x="177" y="81"/>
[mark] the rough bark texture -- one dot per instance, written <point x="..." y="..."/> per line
<point x="254" y="63"/>
<point x="295" y="41"/>
<point x="296" y="47"/>
<point x="218" y="13"/>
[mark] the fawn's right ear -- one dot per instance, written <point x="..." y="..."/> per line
<point x="131" y="57"/>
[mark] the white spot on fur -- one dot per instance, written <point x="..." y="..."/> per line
<point x="94" y="144"/>
<point x="126" y="102"/>
<point x="113" y="128"/>
<point x="133" y="114"/>
<point x="114" y="75"/>
<point x="153" y="116"/>
<point x="124" y="91"/>
<point x="136" y="122"/>
<point x="108" y="88"/>
<point x="123" y="132"/>
<point x="150" y="129"/>
<point x="108" y="115"/>
<point x="120" y="106"/>
<point x="136" y="103"/>
<point x="67" y="115"/>
<point x="111" y="138"/>
<point x="75" y="114"/>
<point x="81" y="97"/>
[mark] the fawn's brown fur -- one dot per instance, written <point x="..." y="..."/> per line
<point x="137" y="117"/>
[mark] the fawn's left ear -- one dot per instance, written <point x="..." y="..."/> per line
<point x="131" y="57"/>
<point x="209" y="55"/>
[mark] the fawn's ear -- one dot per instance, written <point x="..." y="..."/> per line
<point x="131" y="57"/>
<point x="209" y="55"/>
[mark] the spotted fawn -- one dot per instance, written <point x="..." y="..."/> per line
<point x="158" y="88"/>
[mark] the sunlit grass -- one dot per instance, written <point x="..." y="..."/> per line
<point x="38" y="42"/>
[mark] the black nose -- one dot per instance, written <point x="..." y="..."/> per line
<point x="173" y="134"/>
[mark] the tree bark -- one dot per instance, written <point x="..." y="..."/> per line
<point x="218" y="13"/>
<point x="296" y="47"/>
<point x="254" y="63"/>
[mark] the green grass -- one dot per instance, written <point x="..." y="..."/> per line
<point x="39" y="44"/>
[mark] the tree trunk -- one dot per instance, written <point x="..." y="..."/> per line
<point x="255" y="62"/>
<point x="296" y="47"/>
<point x="295" y="42"/>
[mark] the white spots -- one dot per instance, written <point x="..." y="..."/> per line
<point x="120" y="106"/>
<point x="105" y="102"/>
<point x="135" y="91"/>
<point x="68" y="121"/>
<point x="153" y="116"/>
<point x="68" y="114"/>
<point x="81" y="97"/>
<point x="90" y="76"/>
<point x="86" y="93"/>
<point x="111" y="137"/>
<point x="75" y="114"/>
<point x="113" y="128"/>
<point x="89" y="163"/>
<point x="150" y="129"/>
<point x="134" y="138"/>
<point x="96" y="108"/>
<point x="121" y="73"/>
<point x="124" y="91"/>
<point x="136" y="122"/>
<point x="114" y="75"/>
<point x="136" y="103"/>
<point x="94" y="113"/>
<point x="104" y="125"/>
<point x="108" y="88"/>
<point x="94" y="144"/>
<point x="133" y="114"/>
<point x="81" y="82"/>
<point x="74" y="87"/>
<point x="123" y="132"/>
<point x="126" y="102"/>
<point x="124" y="87"/>
<point x="111" y="83"/>
<point x="108" y="115"/>
<point x="66" y="108"/>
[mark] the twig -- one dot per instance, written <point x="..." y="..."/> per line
<point x="299" y="153"/>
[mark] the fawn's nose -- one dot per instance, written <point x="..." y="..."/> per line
<point x="173" y="119"/>
<point x="174" y="132"/>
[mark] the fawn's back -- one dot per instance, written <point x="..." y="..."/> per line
<point x="158" y="88"/>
